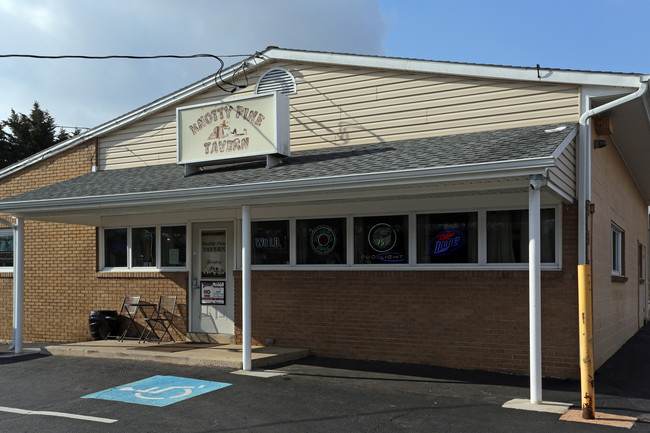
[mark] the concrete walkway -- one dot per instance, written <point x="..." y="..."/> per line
<point x="194" y="354"/>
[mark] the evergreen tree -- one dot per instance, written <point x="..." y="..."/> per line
<point x="22" y="136"/>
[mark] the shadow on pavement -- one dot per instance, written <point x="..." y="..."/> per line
<point x="7" y="358"/>
<point x="626" y="374"/>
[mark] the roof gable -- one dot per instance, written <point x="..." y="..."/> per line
<point x="274" y="54"/>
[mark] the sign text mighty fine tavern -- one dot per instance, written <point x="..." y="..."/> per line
<point x="236" y="128"/>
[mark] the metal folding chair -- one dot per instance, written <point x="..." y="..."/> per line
<point x="129" y="309"/>
<point x="163" y="318"/>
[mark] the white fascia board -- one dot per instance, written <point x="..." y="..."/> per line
<point x="132" y="116"/>
<point x="548" y="75"/>
<point x="273" y="190"/>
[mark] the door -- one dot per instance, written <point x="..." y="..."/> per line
<point x="213" y="290"/>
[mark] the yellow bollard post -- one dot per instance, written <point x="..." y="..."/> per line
<point x="586" y="342"/>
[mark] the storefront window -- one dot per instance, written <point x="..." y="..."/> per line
<point x="321" y="241"/>
<point x="172" y="246"/>
<point x="6" y="248"/>
<point x="115" y="248"/>
<point x="507" y="236"/>
<point x="381" y="239"/>
<point x="447" y="238"/>
<point x="144" y="246"/>
<point x="270" y="242"/>
<point x="142" y="242"/>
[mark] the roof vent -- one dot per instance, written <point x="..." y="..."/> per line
<point x="276" y="80"/>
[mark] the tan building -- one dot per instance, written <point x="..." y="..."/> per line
<point x="395" y="227"/>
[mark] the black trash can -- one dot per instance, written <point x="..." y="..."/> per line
<point x="101" y="323"/>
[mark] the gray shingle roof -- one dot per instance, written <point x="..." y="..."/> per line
<point x="382" y="157"/>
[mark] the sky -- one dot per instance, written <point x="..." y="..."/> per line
<point x="596" y="35"/>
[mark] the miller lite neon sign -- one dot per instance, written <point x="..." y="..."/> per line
<point x="445" y="243"/>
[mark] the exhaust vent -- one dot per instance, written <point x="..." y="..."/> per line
<point x="276" y="80"/>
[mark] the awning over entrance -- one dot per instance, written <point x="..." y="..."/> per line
<point x="482" y="159"/>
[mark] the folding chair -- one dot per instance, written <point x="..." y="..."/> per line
<point x="164" y="317"/>
<point x="129" y="309"/>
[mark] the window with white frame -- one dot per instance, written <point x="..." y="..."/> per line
<point x="153" y="247"/>
<point x="618" y="245"/>
<point x="491" y="239"/>
<point x="6" y="249"/>
<point x="270" y="242"/>
<point x="507" y="236"/>
<point x="447" y="237"/>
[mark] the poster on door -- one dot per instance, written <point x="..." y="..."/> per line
<point x="213" y="254"/>
<point x="213" y="293"/>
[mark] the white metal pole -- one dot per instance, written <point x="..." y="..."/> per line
<point x="19" y="232"/>
<point x="535" y="283"/>
<point x="246" y="287"/>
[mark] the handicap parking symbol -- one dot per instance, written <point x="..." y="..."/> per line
<point x="158" y="390"/>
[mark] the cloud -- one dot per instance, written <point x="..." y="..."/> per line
<point x="87" y="93"/>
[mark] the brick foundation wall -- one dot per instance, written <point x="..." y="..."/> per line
<point x="461" y="319"/>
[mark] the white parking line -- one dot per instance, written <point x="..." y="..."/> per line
<point x="59" y="414"/>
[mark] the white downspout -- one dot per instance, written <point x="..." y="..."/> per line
<point x="584" y="163"/>
<point x="535" y="287"/>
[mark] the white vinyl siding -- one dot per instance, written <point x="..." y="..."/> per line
<point x="337" y="106"/>
<point x="563" y="175"/>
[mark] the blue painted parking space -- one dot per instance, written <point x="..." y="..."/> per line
<point x="158" y="390"/>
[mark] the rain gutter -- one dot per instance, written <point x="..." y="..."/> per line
<point x="584" y="160"/>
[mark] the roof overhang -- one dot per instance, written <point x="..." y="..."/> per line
<point x="631" y="135"/>
<point x="545" y="75"/>
<point x="465" y="179"/>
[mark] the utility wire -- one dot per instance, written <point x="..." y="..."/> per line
<point x="163" y="56"/>
<point x="217" y="76"/>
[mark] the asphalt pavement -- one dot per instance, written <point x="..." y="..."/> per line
<point x="44" y="393"/>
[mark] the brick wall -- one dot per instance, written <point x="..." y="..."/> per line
<point x="62" y="284"/>
<point x="473" y="320"/>
<point x="618" y="303"/>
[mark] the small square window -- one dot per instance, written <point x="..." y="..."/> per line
<point x="507" y="236"/>
<point x="172" y="249"/>
<point x="321" y="241"/>
<point x="618" y="247"/>
<point x="270" y="241"/>
<point x="447" y="238"/>
<point x="6" y="248"/>
<point x="381" y="239"/>
<point x="115" y="245"/>
<point x="144" y="247"/>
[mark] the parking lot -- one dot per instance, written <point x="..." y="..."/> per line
<point x="51" y="393"/>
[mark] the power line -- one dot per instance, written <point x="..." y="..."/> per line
<point x="162" y="56"/>
<point x="217" y="76"/>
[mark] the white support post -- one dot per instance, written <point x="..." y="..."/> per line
<point x="535" y="283"/>
<point x="19" y="233"/>
<point x="246" y="287"/>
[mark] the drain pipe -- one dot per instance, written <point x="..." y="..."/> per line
<point x="584" y="269"/>
<point x="584" y="162"/>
